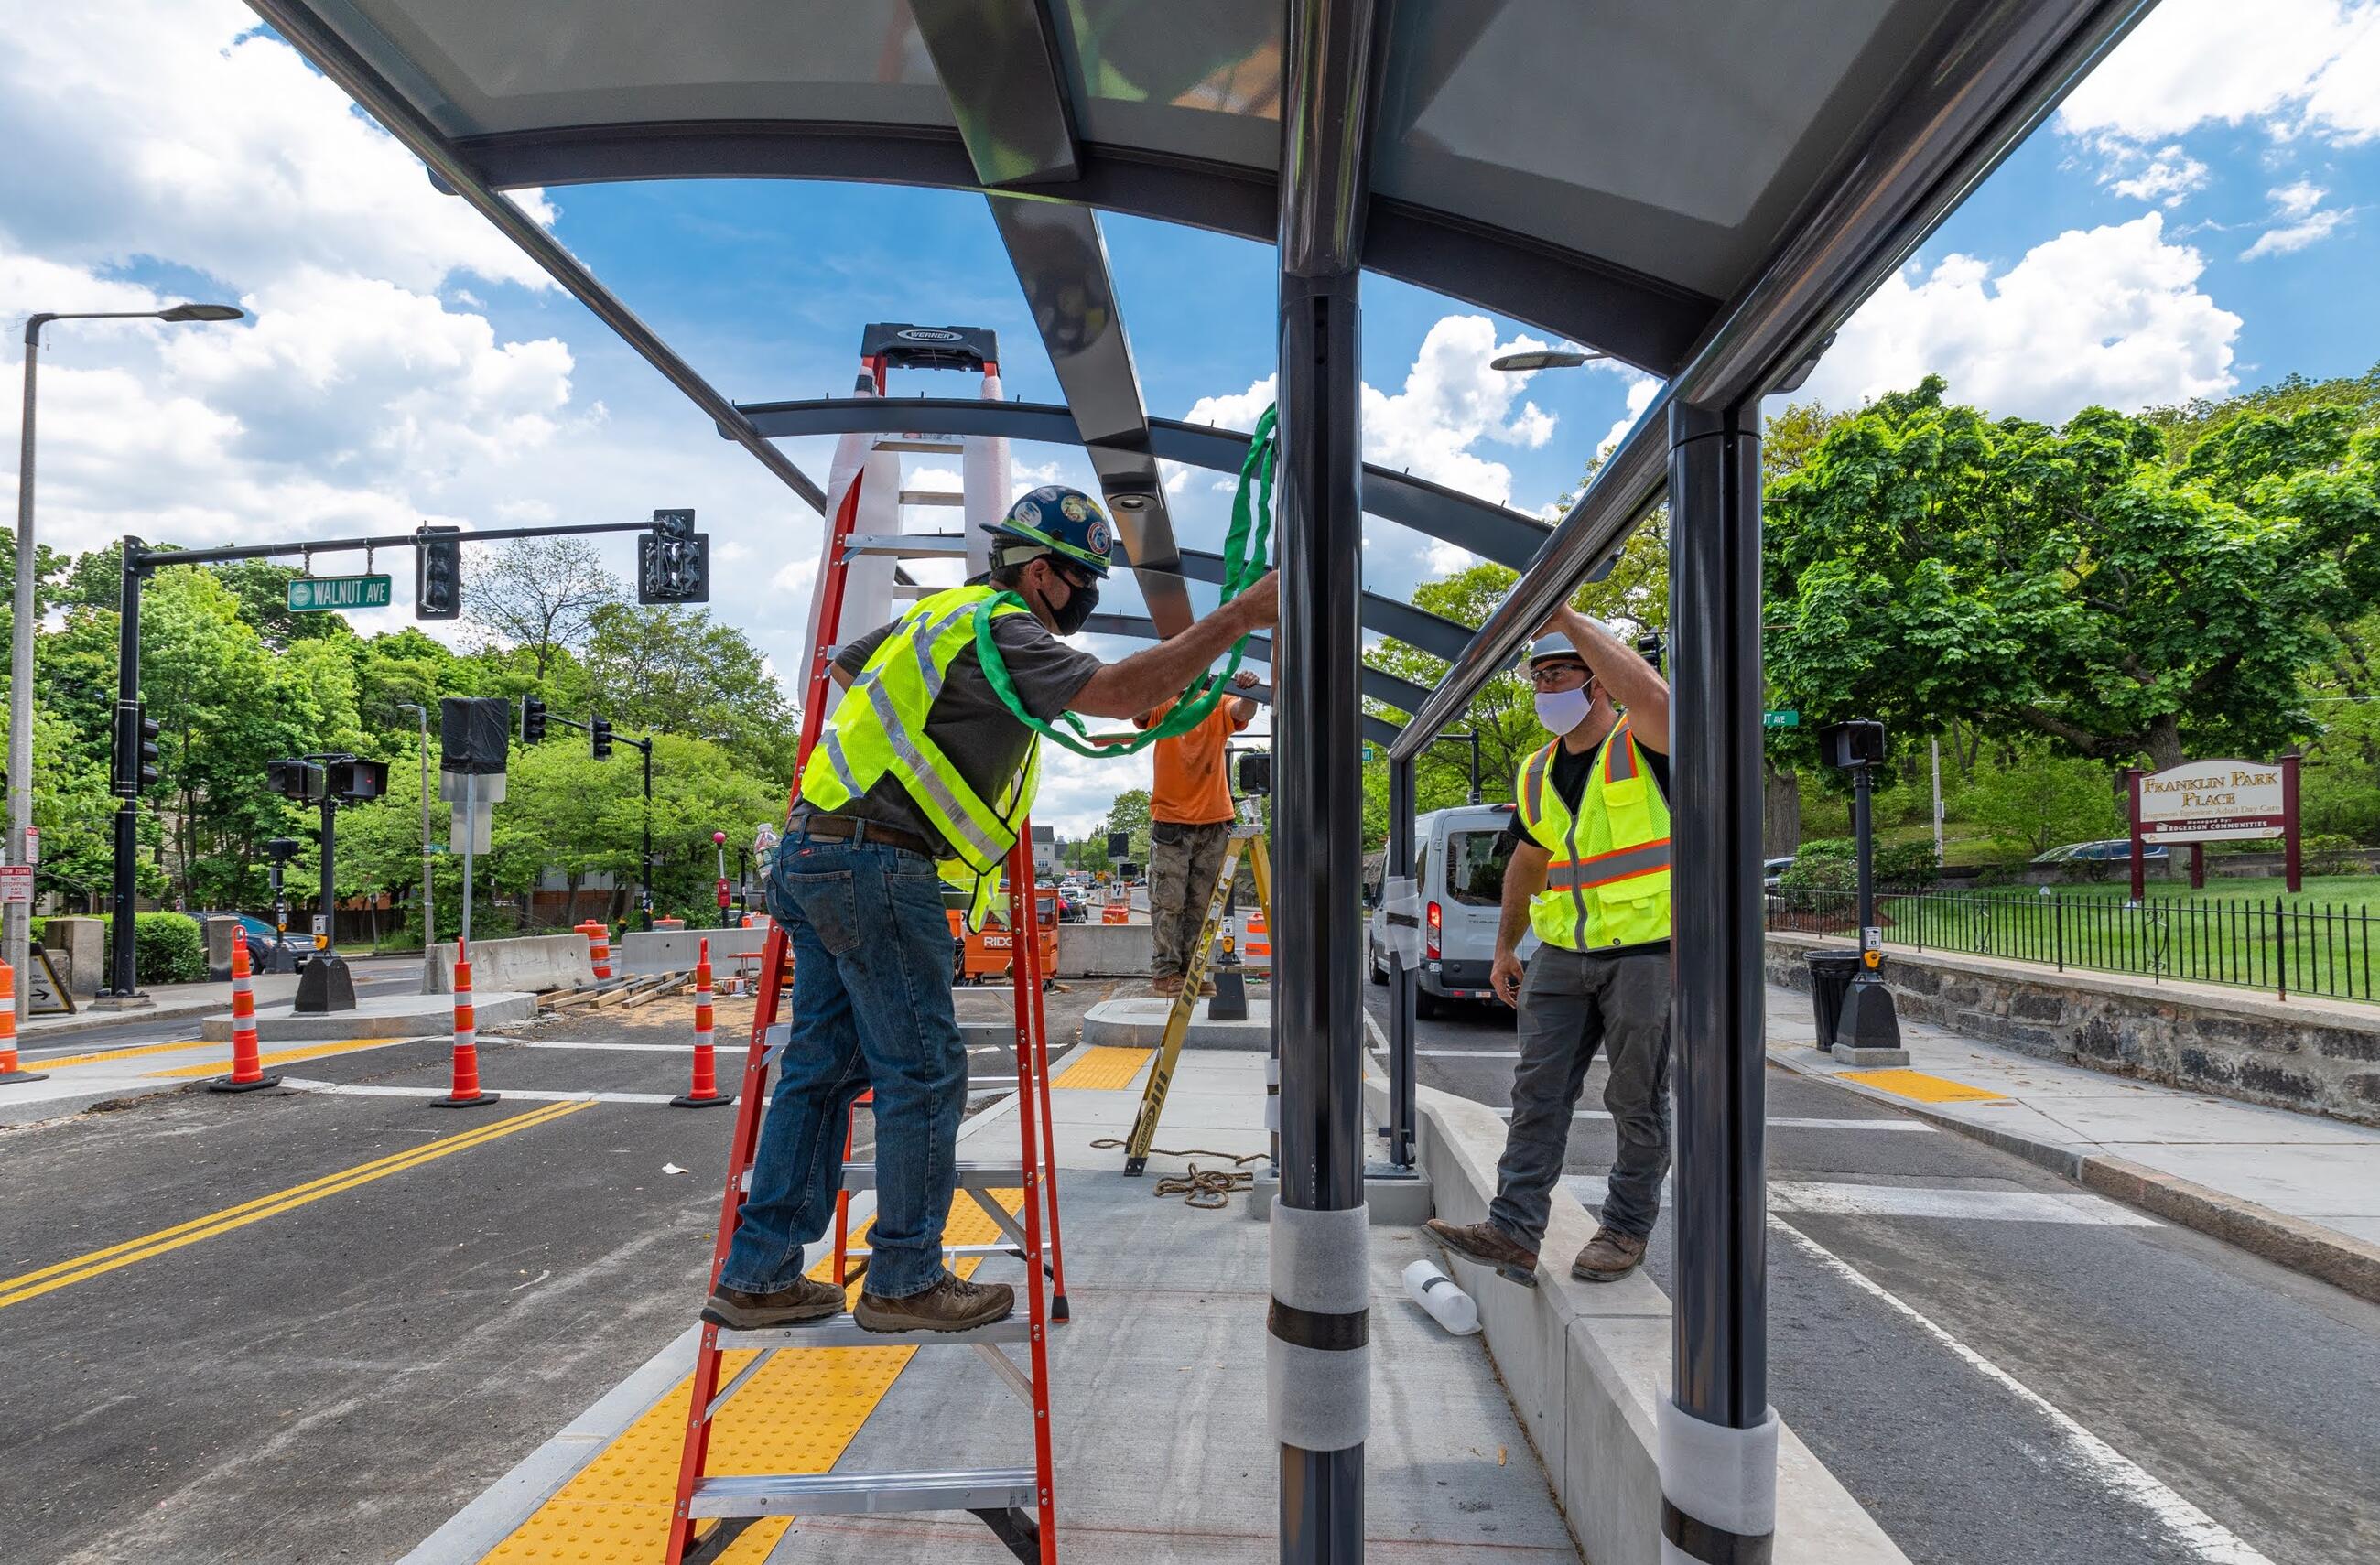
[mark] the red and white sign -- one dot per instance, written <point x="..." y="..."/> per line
<point x="15" y="883"/>
<point x="2213" y="800"/>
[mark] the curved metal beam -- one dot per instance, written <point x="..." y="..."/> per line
<point x="296" y="22"/>
<point x="1493" y="532"/>
<point x="1640" y="321"/>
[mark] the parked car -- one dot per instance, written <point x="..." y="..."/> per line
<point x="2111" y="850"/>
<point x="1073" y="907"/>
<point x="1459" y="874"/>
<point x="1772" y="870"/>
<point x="264" y="940"/>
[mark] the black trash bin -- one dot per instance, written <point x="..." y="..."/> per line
<point x="1830" y="975"/>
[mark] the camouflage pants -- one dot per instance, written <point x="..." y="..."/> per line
<point x="1181" y="877"/>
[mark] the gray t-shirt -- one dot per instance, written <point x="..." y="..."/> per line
<point x="969" y="724"/>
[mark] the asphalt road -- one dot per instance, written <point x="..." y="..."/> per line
<point x="331" y="1374"/>
<point x="2002" y="1367"/>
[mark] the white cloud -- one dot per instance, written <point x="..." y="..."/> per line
<point x="2292" y="66"/>
<point x="2109" y="315"/>
<point x="2300" y="220"/>
<point x="176" y="129"/>
<point x="1642" y="390"/>
<point x="2165" y="178"/>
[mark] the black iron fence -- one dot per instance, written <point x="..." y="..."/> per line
<point x="2284" y="945"/>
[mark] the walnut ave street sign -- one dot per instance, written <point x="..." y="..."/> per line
<point x="310" y="594"/>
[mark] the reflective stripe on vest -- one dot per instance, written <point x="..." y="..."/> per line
<point x="879" y="729"/>
<point x="1608" y="882"/>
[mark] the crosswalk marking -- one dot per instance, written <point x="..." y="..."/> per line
<point x="1823" y="1199"/>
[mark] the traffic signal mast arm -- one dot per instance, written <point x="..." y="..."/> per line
<point x="145" y="559"/>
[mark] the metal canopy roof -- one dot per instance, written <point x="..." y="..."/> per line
<point x="1702" y="188"/>
<point x="1611" y="173"/>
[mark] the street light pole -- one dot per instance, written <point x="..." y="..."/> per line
<point x="15" y="918"/>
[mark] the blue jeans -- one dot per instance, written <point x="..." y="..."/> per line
<point x="871" y="1006"/>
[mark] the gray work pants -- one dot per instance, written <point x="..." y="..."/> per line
<point x="1570" y="1004"/>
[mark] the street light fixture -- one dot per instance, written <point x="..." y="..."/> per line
<point x="15" y="918"/>
<point x="1544" y="358"/>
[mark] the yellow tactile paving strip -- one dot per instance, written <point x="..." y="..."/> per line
<point x="1923" y="1088"/>
<point x="279" y="1056"/>
<point x="798" y="1414"/>
<point x="1102" y="1066"/>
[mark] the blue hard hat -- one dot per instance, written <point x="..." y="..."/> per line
<point x="1061" y="521"/>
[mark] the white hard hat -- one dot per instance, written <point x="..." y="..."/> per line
<point x="1552" y="645"/>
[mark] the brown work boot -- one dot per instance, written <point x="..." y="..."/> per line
<point x="805" y="1300"/>
<point x="951" y="1304"/>
<point x="1609" y="1256"/>
<point x="1166" y="985"/>
<point x="1489" y="1245"/>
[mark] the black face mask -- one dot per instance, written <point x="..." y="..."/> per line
<point x="1080" y="601"/>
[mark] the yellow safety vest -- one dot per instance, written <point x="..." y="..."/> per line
<point x="1609" y="883"/>
<point x="878" y="727"/>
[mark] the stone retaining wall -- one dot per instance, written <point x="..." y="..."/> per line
<point x="2318" y="1056"/>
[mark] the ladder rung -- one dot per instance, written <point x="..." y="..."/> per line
<point x="932" y="497"/>
<point x="961" y="1252"/>
<point x="843" y="1331"/>
<point x="936" y="444"/>
<point x="1001" y="1489"/>
<point x="905" y="545"/>
<point x="971" y="1176"/>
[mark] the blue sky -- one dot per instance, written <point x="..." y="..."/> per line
<point x="2199" y="219"/>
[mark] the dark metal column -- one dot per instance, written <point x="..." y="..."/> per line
<point x="1318" y="1360"/>
<point x="1721" y="1330"/>
<point x="1402" y="986"/>
<point x="120" y="984"/>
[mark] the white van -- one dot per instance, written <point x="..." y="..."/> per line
<point x="1458" y="870"/>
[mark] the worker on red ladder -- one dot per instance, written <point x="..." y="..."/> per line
<point x="917" y="780"/>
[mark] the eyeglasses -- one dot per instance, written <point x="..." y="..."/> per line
<point x="1544" y="674"/>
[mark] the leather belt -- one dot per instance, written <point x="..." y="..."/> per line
<point x="843" y="829"/>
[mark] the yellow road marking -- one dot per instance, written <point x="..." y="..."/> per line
<point x="1102" y="1066"/>
<point x="282" y="1056"/>
<point x="1922" y="1087"/>
<point x="61" y="1274"/>
<point x="133" y="1053"/>
<point x="799" y="1413"/>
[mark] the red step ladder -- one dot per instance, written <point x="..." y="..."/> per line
<point x="1019" y="1504"/>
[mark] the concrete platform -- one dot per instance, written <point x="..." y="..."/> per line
<point x="393" y="1015"/>
<point x="1139" y="1023"/>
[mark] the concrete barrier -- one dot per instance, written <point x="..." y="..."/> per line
<point x="1585" y="1362"/>
<point x="529" y="962"/>
<point x="673" y="951"/>
<point x="79" y="946"/>
<point x="1120" y="951"/>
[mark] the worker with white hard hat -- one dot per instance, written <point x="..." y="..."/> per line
<point x="1590" y="874"/>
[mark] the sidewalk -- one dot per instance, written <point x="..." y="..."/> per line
<point x="2298" y="1189"/>
<point x="173" y="1001"/>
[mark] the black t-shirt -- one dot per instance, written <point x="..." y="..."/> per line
<point x="1568" y="774"/>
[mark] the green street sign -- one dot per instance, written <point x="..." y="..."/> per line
<point x="1780" y="719"/>
<point x="314" y="594"/>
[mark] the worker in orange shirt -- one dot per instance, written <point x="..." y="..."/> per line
<point x="1190" y="822"/>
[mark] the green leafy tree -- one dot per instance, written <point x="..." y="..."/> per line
<point x="1925" y="563"/>
<point x="2034" y="799"/>
<point x="680" y="671"/>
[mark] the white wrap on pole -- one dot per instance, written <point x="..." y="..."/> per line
<point x="984" y="479"/>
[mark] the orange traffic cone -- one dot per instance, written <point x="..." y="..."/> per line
<point x="704" y="1093"/>
<point x="247" y="1070"/>
<point x="8" y="1069"/>
<point x="599" y="949"/>
<point x="466" y="1093"/>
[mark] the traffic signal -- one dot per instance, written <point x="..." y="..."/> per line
<point x="598" y="738"/>
<point x="532" y="719"/>
<point x="673" y="561"/>
<point x="135" y="748"/>
<point x="437" y="574"/>
<point x="298" y="780"/>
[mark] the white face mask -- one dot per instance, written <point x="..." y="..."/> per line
<point x="1561" y="711"/>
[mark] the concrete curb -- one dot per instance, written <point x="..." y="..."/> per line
<point x="2301" y="1245"/>
<point x="37" y="1035"/>
<point x="1586" y="1364"/>
<point x="1139" y="1022"/>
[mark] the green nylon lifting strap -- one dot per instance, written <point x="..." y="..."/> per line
<point x="1244" y="547"/>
